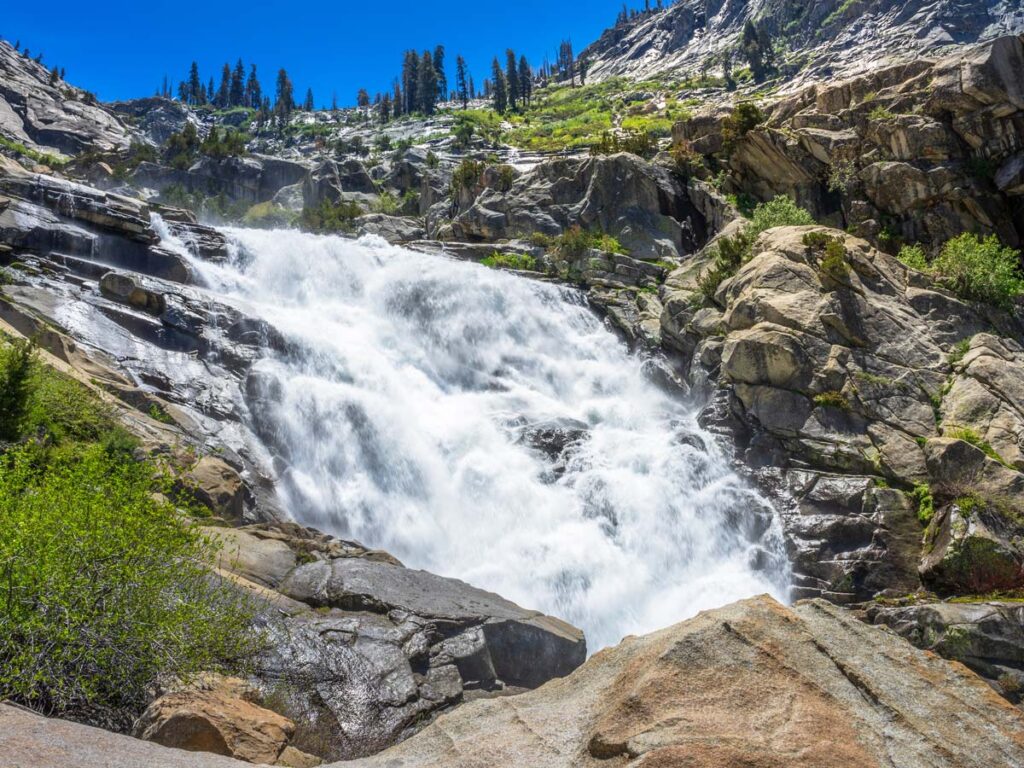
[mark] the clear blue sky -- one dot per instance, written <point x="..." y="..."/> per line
<point x="123" y="49"/>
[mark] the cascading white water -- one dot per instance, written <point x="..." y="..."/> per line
<point x="410" y="408"/>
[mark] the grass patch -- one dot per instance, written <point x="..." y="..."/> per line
<point x="515" y="261"/>
<point x="832" y="399"/>
<point x="925" y="502"/>
<point x="968" y="435"/>
<point x="43" y="158"/>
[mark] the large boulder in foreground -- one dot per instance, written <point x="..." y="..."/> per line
<point x="752" y="684"/>
<point x="363" y="651"/>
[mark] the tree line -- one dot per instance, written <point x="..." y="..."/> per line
<point x="236" y="89"/>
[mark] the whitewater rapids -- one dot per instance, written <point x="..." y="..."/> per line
<point x="491" y="428"/>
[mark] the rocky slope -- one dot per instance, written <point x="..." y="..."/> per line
<point x="916" y="152"/>
<point x="823" y="39"/>
<point x="50" y="115"/>
<point x="752" y="684"/>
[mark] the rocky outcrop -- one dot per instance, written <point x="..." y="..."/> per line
<point x="988" y="637"/>
<point x="48" y="114"/>
<point x="750" y="684"/>
<point x="824" y="38"/>
<point x="833" y="377"/>
<point x="157" y="118"/>
<point x="219" y="717"/>
<point x="913" y="152"/>
<point x="250" y="179"/>
<point x="642" y="205"/>
<point x="368" y="651"/>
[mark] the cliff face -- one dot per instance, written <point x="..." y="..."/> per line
<point x="45" y="113"/>
<point x="820" y="39"/>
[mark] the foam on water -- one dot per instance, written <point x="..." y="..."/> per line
<point x="400" y="416"/>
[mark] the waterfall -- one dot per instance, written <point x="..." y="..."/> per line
<point x="489" y="427"/>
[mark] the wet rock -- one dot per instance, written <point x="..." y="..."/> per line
<point x="128" y="290"/>
<point x="394" y="229"/>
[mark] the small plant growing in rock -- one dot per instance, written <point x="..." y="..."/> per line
<point x="833" y="263"/>
<point x="914" y="257"/>
<point x="960" y="350"/>
<point x="687" y="160"/>
<point x="841" y="175"/>
<point x="467" y="175"/>
<point x="832" y="399"/>
<point x="880" y="114"/>
<point x="968" y="435"/>
<point x="980" y="270"/>
<point x="922" y="497"/>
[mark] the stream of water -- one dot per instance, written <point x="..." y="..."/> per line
<point x="491" y="428"/>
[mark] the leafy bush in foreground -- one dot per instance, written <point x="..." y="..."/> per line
<point x="106" y="587"/>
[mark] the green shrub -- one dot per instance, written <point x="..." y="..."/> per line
<point x="106" y="590"/>
<point x="574" y="243"/>
<point x="16" y="363"/>
<point x="731" y="252"/>
<point x="968" y="435"/>
<point x="922" y="497"/>
<point x="640" y="143"/>
<point x="980" y="270"/>
<point x="832" y="399"/>
<point x="467" y="175"/>
<point x="960" y="350"/>
<point x="744" y="118"/>
<point x="330" y="217"/>
<point x="516" y="261"/>
<point x="40" y="157"/>
<point x="386" y="202"/>
<point x="914" y="257"/>
<point x="880" y="114"/>
<point x="268" y="214"/>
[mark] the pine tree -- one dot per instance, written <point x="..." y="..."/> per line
<point x="426" y="88"/>
<point x="253" y="92"/>
<point x="334" y="102"/>
<point x="582" y="66"/>
<point x="753" y="51"/>
<point x="512" y="79"/>
<point x="442" y="78"/>
<point x="237" y="95"/>
<point x="307" y="105"/>
<point x="460" y="81"/>
<point x="472" y="88"/>
<point x="525" y="81"/>
<point x="224" y="92"/>
<point x="397" y="100"/>
<point x="195" y="95"/>
<point x="183" y="93"/>
<point x="210" y="93"/>
<point x="362" y="98"/>
<point x="385" y="108"/>
<point x="498" y="88"/>
<point x="284" y="102"/>
<point x="410" y="81"/>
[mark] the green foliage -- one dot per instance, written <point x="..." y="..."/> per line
<point x="386" y="202"/>
<point x="43" y="158"/>
<point x="575" y="242"/>
<point x="106" y="586"/>
<point x="922" y="497"/>
<point x="960" y="350"/>
<point x="515" y="261"/>
<point x="833" y="254"/>
<point x="640" y="143"/>
<point x="980" y="270"/>
<point x="330" y="217"/>
<point x="221" y="143"/>
<point x="687" y="160"/>
<point x="16" y="362"/>
<point x="880" y="114"/>
<point x="914" y="257"/>
<point x="269" y="215"/>
<point x="832" y="399"/>
<point x="467" y="175"/>
<point x="181" y="148"/>
<point x="106" y="589"/>
<point x="744" y="118"/>
<point x="968" y="435"/>
<point x="731" y="252"/>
